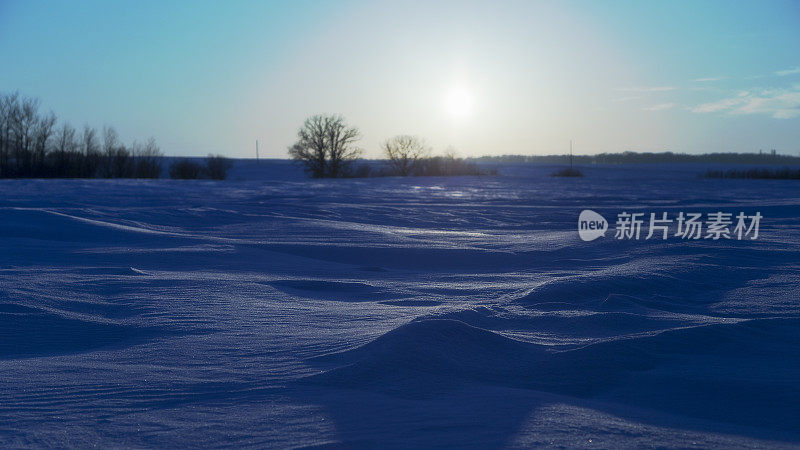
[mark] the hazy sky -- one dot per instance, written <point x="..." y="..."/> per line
<point x="485" y="77"/>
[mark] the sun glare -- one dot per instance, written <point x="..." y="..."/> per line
<point x="458" y="102"/>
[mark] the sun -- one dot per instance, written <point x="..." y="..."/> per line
<point x="458" y="102"/>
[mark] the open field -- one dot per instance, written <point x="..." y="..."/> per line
<point x="273" y="310"/>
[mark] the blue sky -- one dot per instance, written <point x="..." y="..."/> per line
<point x="484" y="77"/>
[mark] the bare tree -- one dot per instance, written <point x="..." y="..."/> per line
<point x="9" y="106"/>
<point x="43" y="131"/>
<point x="404" y="153"/>
<point x="117" y="162"/>
<point x="24" y="123"/>
<point x="65" y="151"/>
<point x="90" y="144"/>
<point x="91" y="152"/>
<point x="342" y="149"/>
<point x="217" y="167"/>
<point x="110" y="141"/>
<point x="326" y="146"/>
<point x="311" y="147"/>
<point x="147" y="159"/>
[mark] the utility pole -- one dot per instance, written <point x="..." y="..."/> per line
<point x="570" y="154"/>
<point x="256" y="151"/>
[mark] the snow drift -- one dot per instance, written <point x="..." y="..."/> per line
<point x="274" y="311"/>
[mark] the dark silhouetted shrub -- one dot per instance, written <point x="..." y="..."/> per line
<point x="217" y="167"/>
<point x="567" y="172"/>
<point x="185" y="169"/>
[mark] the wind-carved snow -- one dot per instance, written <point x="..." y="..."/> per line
<point x="274" y="311"/>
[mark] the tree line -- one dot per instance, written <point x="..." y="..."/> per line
<point x="326" y="147"/>
<point x="771" y="157"/>
<point x="783" y="173"/>
<point x="34" y="145"/>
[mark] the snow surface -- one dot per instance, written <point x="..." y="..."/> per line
<point x="270" y="310"/>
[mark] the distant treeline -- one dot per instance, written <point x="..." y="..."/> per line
<point x="216" y="168"/>
<point x="760" y="173"/>
<point x="429" y="166"/>
<point x="640" y="158"/>
<point x="33" y="145"/>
